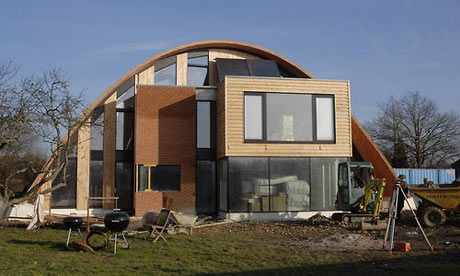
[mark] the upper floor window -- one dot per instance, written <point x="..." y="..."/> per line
<point x="246" y="67"/>
<point x="166" y="76"/>
<point x="197" y="69"/>
<point x="205" y="124"/>
<point x="283" y="117"/>
<point x="165" y="72"/>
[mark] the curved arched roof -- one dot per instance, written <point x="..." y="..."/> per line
<point x="290" y="66"/>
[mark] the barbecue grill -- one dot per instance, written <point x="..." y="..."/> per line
<point x="117" y="222"/>
<point x="73" y="223"/>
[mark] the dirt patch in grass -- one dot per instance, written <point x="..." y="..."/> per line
<point x="323" y="234"/>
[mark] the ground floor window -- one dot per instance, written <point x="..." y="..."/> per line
<point x="65" y="197"/>
<point x="95" y="182"/>
<point x="160" y="178"/>
<point x="124" y="175"/>
<point x="273" y="184"/>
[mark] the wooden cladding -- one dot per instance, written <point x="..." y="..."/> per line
<point x="230" y="120"/>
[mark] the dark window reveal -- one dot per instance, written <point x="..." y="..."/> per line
<point x="165" y="178"/>
<point x="243" y="67"/>
<point x="161" y="178"/>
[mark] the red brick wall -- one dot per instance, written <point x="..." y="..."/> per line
<point x="165" y="135"/>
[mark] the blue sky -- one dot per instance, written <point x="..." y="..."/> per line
<point x="382" y="47"/>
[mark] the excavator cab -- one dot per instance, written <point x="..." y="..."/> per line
<point x="353" y="179"/>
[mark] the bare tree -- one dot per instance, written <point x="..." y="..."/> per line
<point x="14" y="109"/>
<point x="415" y="125"/>
<point x="42" y="105"/>
<point x="55" y="113"/>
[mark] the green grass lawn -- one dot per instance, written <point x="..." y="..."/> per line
<point x="42" y="252"/>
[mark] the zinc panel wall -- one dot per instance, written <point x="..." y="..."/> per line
<point x="234" y="144"/>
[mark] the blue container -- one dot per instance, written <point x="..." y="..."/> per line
<point x="438" y="176"/>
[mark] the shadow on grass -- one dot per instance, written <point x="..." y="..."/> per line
<point x="432" y="264"/>
<point x="48" y="244"/>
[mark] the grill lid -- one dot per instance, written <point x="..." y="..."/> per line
<point x="117" y="221"/>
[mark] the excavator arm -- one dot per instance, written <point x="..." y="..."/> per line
<point x="373" y="197"/>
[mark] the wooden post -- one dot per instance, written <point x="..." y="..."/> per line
<point x="110" y="131"/>
<point x="83" y="165"/>
<point x="181" y="69"/>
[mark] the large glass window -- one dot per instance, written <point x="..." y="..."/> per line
<point x="203" y="121"/>
<point x="290" y="184"/>
<point x="65" y="197"/>
<point x="126" y="100"/>
<point x="166" y="76"/>
<point x="197" y="73"/>
<point x="249" y="189"/>
<point x="124" y="185"/>
<point x="276" y="184"/>
<point x="96" y="165"/>
<point x="324" y="181"/>
<point x="253" y="117"/>
<point x="288" y="117"/>
<point x="97" y="131"/>
<point x="246" y="67"/>
<point x="125" y="131"/>
<point x="95" y="182"/>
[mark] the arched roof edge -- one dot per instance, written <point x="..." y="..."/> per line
<point x="233" y="45"/>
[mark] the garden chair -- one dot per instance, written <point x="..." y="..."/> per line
<point x="161" y="224"/>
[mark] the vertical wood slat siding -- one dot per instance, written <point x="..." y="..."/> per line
<point x="146" y="76"/>
<point x="231" y="139"/>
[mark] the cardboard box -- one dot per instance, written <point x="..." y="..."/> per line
<point x="254" y="206"/>
<point x="279" y="203"/>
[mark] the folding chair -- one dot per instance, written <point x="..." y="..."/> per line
<point x="161" y="224"/>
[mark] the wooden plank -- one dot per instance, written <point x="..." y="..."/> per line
<point x="110" y="124"/>
<point x="181" y="69"/>
<point x="146" y="76"/>
<point x="83" y="165"/>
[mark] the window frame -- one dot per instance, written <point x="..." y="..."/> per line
<point x="264" y="139"/>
